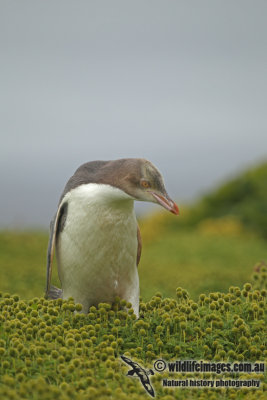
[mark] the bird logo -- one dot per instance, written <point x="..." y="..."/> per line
<point x="138" y="372"/>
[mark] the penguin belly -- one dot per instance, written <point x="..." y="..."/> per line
<point x="97" y="248"/>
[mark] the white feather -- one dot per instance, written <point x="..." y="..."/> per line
<point x="97" y="249"/>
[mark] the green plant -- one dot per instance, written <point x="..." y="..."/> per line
<point x="48" y="350"/>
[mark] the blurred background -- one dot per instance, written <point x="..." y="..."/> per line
<point x="182" y="84"/>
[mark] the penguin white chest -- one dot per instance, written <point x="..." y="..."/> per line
<point x="97" y="247"/>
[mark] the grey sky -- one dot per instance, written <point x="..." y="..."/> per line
<point x="182" y="83"/>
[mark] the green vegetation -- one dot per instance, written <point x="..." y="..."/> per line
<point x="49" y="351"/>
<point x="197" y="260"/>
<point x="212" y="244"/>
<point x="22" y="262"/>
<point x="244" y="197"/>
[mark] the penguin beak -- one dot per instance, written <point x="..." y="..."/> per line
<point x="166" y="202"/>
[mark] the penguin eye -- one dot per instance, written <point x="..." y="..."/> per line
<point x="145" y="183"/>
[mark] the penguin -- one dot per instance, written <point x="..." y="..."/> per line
<point x="95" y="234"/>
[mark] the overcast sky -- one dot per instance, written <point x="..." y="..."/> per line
<point x="182" y="83"/>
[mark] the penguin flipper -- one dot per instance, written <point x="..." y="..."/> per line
<point x="56" y="226"/>
<point x="139" y="246"/>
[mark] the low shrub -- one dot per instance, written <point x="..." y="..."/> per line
<point x="49" y="350"/>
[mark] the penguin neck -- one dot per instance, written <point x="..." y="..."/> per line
<point x="103" y="195"/>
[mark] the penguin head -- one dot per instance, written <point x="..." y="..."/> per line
<point x="144" y="182"/>
<point x="137" y="177"/>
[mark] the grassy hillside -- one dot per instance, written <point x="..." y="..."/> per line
<point x="198" y="261"/>
<point x="244" y="197"/>
<point x="22" y="262"/>
<point x="211" y="244"/>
